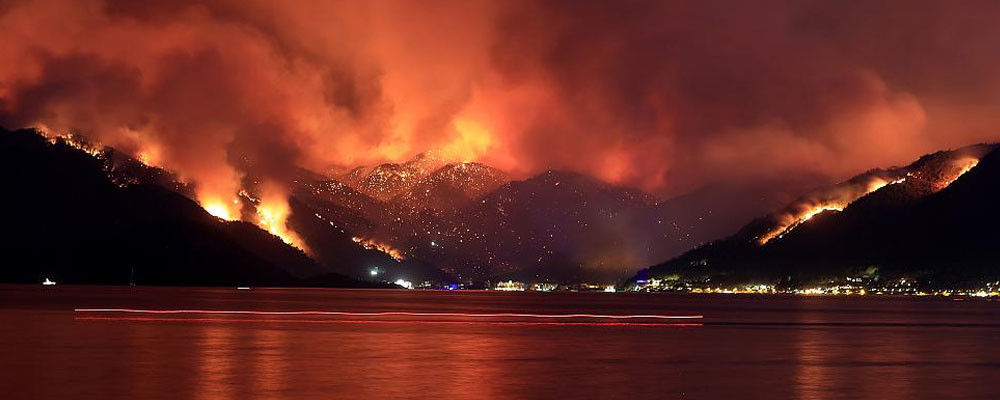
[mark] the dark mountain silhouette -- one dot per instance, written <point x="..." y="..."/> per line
<point x="70" y="222"/>
<point x="935" y="220"/>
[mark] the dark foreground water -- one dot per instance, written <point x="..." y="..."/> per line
<point x="747" y="346"/>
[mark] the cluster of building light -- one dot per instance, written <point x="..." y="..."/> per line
<point x="510" y="286"/>
<point x="515" y="286"/>
<point x="404" y="283"/>
<point x="544" y="287"/>
<point x="851" y="286"/>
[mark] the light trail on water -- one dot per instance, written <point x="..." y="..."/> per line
<point x="527" y="319"/>
<point x="389" y="322"/>
<point x="389" y="314"/>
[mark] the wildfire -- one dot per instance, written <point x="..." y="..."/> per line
<point x="473" y="140"/>
<point x="272" y="215"/>
<point x="220" y="209"/>
<point x="149" y="157"/>
<point x="272" y="206"/>
<point x="817" y="210"/>
<point x="962" y="166"/>
<point x="73" y="141"/>
<point x="795" y="221"/>
<point x="371" y="244"/>
<point x="804" y="212"/>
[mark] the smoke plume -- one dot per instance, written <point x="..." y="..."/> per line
<point x="661" y="95"/>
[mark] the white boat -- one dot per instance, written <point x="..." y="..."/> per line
<point x="243" y="288"/>
<point x="48" y="282"/>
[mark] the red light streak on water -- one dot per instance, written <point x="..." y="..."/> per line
<point x="386" y="314"/>
<point x="408" y="322"/>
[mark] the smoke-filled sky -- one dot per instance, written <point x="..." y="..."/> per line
<point x="662" y="95"/>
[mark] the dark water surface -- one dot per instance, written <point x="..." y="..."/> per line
<point x="748" y="346"/>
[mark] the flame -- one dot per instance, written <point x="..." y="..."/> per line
<point x="963" y="165"/>
<point x="817" y="210"/>
<point x="150" y="156"/>
<point x="804" y="212"/>
<point x="371" y="244"/>
<point x="272" y="207"/>
<point x="74" y="141"/>
<point x="473" y="140"/>
<point x="793" y="222"/>
<point x="272" y="215"/>
<point x="219" y="208"/>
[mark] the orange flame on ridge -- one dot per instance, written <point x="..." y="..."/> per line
<point x="219" y="208"/>
<point x="792" y="219"/>
<point x="964" y="165"/>
<point x="371" y="244"/>
<point x="272" y="215"/>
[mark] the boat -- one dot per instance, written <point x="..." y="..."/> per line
<point x="243" y="288"/>
<point x="48" y="282"/>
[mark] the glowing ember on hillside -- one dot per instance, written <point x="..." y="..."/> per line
<point x="371" y="244"/>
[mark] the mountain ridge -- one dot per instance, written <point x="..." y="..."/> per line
<point x="890" y="229"/>
<point x="76" y="224"/>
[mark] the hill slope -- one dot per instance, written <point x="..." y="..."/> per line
<point x="69" y="222"/>
<point x="935" y="221"/>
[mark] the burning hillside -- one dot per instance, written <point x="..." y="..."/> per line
<point x="89" y="217"/>
<point x="834" y="199"/>
<point x="935" y="224"/>
<point x="928" y="175"/>
<point x="270" y="207"/>
<point x="372" y="244"/>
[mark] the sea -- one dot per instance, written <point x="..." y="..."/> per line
<point x="101" y="342"/>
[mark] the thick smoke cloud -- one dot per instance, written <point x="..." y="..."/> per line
<point x="662" y="95"/>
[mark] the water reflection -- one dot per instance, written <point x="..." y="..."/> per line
<point x="270" y="362"/>
<point x="752" y="347"/>
<point x="475" y="364"/>
<point x="813" y="375"/>
<point x="216" y="362"/>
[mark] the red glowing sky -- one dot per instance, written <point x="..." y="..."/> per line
<point x="662" y="95"/>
